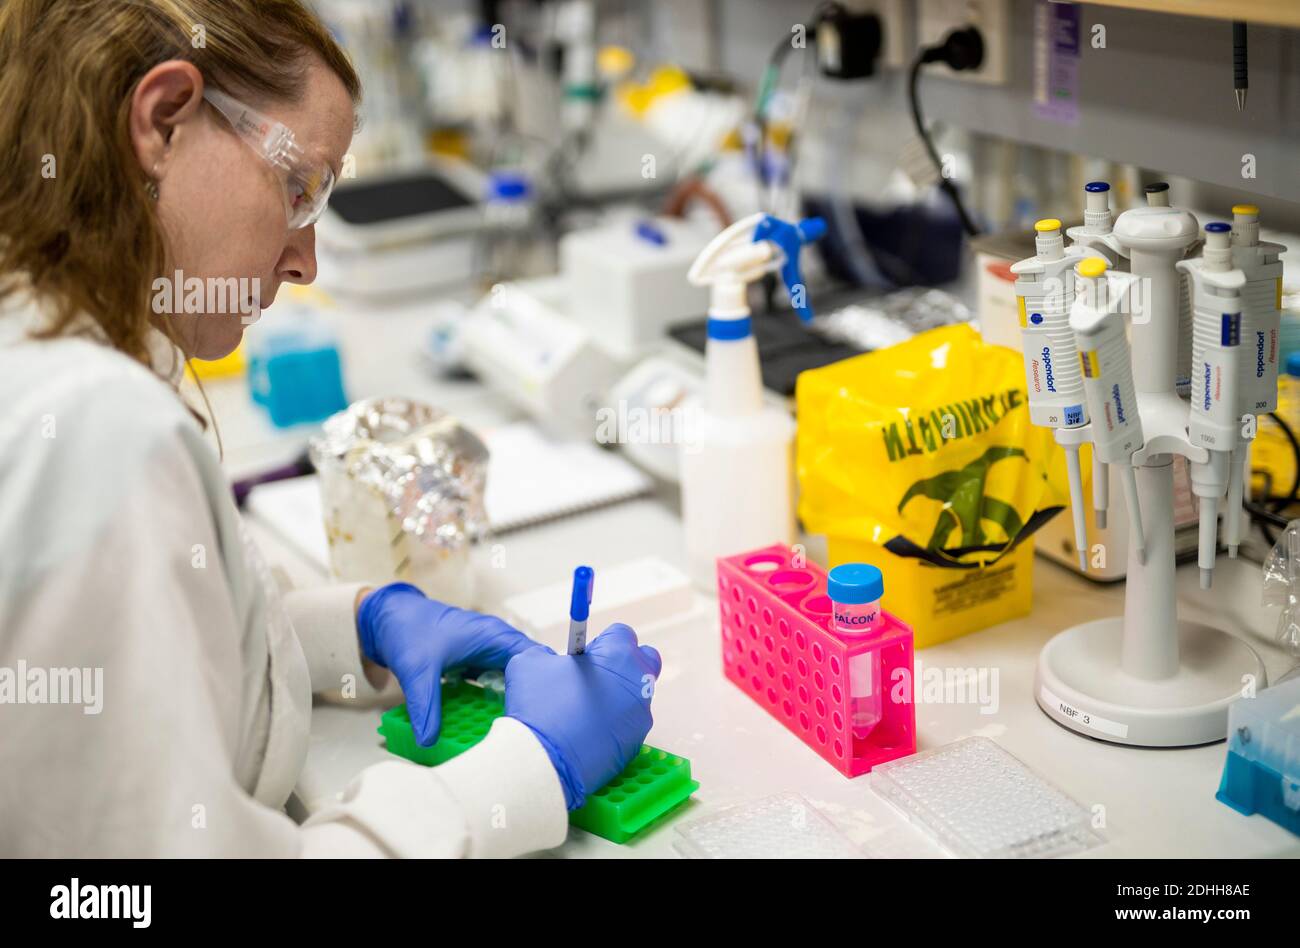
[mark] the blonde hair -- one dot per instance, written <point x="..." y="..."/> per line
<point x="87" y="239"/>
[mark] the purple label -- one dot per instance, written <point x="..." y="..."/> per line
<point x="1056" y="62"/>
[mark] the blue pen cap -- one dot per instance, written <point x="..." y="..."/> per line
<point x="584" y="578"/>
<point x="855" y="583"/>
<point x="509" y="186"/>
<point x="651" y="233"/>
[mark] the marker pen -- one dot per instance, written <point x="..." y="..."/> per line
<point x="584" y="578"/>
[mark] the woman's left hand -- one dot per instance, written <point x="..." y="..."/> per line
<point x="418" y="638"/>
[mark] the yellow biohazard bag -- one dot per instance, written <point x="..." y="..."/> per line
<point x="921" y="460"/>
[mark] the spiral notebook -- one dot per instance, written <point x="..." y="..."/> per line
<point x="531" y="479"/>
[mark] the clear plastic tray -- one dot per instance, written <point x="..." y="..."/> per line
<point x="1265" y="729"/>
<point x="785" y="826"/>
<point x="981" y="802"/>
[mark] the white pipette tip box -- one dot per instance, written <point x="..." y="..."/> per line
<point x="981" y="802"/>
<point x="784" y="826"/>
<point x="639" y="593"/>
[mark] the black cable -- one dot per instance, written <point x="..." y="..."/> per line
<point x="1264" y="515"/>
<point x="771" y="79"/>
<point x="961" y="49"/>
<point x="772" y="75"/>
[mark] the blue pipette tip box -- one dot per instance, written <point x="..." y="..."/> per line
<point x="1261" y="773"/>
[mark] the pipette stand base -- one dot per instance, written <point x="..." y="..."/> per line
<point x="1080" y="684"/>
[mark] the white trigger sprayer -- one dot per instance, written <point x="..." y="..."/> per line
<point x="737" y="465"/>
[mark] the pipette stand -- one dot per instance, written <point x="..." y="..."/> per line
<point x="1148" y="678"/>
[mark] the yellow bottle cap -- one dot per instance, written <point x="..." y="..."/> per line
<point x="1245" y="209"/>
<point x="1092" y="267"/>
<point x="1047" y="224"/>
<point x="615" y="62"/>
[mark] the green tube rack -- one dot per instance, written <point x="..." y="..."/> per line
<point x="654" y="783"/>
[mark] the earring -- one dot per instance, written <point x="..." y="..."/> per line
<point x="151" y="189"/>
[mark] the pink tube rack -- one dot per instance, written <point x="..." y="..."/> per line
<point x="778" y="647"/>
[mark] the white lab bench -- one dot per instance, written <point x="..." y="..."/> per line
<point x="1155" y="803"/>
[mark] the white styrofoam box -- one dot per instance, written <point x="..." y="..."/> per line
<point x="639" y="593"/>
<point x="522" y="346"/>
<point x="627" y="287"/>
<point x="667" y="395"/>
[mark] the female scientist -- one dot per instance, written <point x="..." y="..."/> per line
<point x="155" y="687"/>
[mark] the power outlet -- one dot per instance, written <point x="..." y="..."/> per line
<point x="935" y="19"/>
<point x="895" y="26"/>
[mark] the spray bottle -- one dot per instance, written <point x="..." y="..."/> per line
<point x="737" y="465"/>
<point x="1045" y="292"/>
<point x="1261" y="304"/>
<point x="1106" y="363"/>
<point x="1216" y="341"/>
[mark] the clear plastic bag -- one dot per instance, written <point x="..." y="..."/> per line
<point x="1282" y="586"/>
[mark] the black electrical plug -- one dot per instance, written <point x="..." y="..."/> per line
<point x="848" y="44"/>
<point x="961" y="49"/>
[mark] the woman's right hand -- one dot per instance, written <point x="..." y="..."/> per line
<point x="590" y="711"/>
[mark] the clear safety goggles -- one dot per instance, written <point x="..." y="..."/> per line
<point x="307" y="186"/>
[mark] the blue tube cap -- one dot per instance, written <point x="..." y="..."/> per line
<point x="1293" y="364"/>
<point x="1096" y="186"/>
<point x="855" y="583"/>
<point x="1217" y="227"/>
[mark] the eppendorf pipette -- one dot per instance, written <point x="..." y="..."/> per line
<point x="1045" y="292"/>
<point x="1106" y="364"/>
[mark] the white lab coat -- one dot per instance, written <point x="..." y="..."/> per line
<point x="121" y="549"/>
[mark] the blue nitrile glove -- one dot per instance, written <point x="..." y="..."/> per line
<point x="418" y="638"/>
<point x="590" y="711"/>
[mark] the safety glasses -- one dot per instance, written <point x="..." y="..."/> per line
<point x="307" y="186"/>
